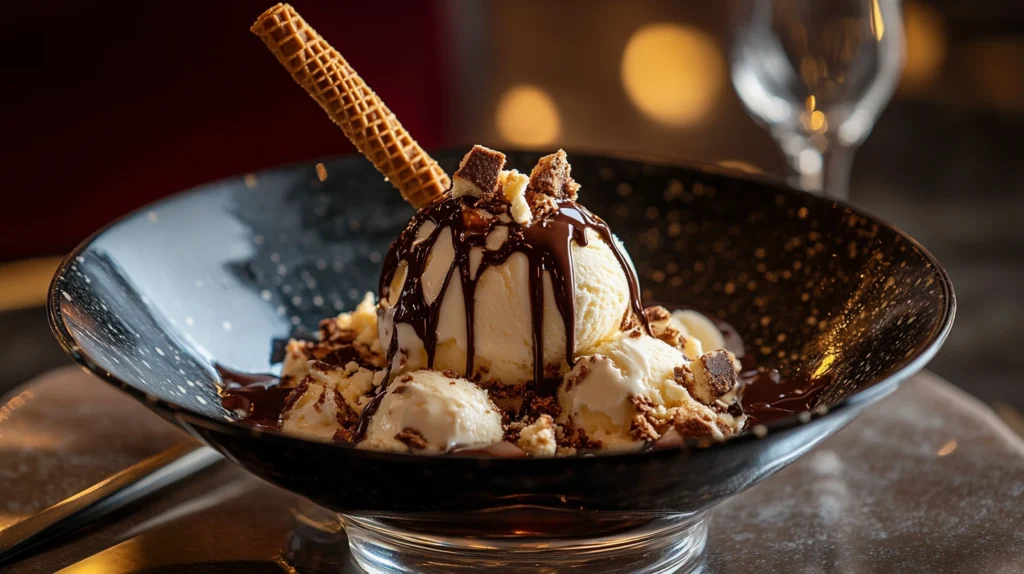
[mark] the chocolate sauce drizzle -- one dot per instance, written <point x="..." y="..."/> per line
<point x="545" y="243"/>
<point x="259" y="396"/>
<point x="765" y="395"/>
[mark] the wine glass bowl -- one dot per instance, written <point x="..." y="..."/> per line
<point x="817" y="75"/>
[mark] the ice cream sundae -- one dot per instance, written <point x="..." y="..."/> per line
<point x="507" y="318"/>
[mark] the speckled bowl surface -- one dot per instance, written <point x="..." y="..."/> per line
<point x="216" y="274"/>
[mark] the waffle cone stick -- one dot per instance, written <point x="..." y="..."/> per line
<point x="351" y="104"/>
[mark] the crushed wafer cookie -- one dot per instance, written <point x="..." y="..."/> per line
<point x="663" y="327"/>
<point x="539" y="405"/>
<point x="577" y="375"/>
<point x="656" y="314"/>
<point x="478" y="173"/>
<point x="538" y="438"/>
<point x="569" y="435"/>
<point x="551" y="177"/>
<point x="450" y="374"/>
<point x="714" y="374"/>
<point x="542" y="206"/>
<point x="642" y="429"/>
<point x="692" y="427"/>
<point x="513" y="190"/>
<point x="498" y="390"/>
<point x="412" y="439"/>
<point x="683" y="376"/>
<point x="343" y="435"/>
<point x="693" y="420"/>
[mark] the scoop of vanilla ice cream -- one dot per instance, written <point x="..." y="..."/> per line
<point x="326" y="396"/>
<point x="627" y="376"/>
<point x="297" y="355"/>
<point x="429" y="412"/>
<point x="695" y="326"/>
<point x="597" y="394"/>
<point x="313" y="415"/>
<point x="362" y="323"/>
<point x="503" y="321"/>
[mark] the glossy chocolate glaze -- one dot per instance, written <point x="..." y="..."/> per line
<point x="259" y="396"/>
<point x="765" y="395"/>
<point x="546" y="243"/>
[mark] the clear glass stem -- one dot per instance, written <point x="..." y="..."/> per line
<point x="822" y="169"/>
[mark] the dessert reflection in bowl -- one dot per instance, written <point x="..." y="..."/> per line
<point x="500" y="387"/>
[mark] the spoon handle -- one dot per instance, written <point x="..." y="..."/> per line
<point x="125" y="487"/>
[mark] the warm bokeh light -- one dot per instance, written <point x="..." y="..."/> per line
<point x="926" y="46"/>
<point x="528" y="116"/>
<point x="996" y="65"/>
<point x="674" y="74"/>
<point x="24" y="284"/>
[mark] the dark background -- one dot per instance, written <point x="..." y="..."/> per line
<point x="106" y="108"/>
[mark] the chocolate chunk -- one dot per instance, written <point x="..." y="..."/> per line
<point x="412" y="439"/>
<point x="714" y="374"/>
<point x="551" y="177"/>
<point x="479" y="173"/>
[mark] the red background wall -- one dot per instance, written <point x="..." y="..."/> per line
<point x="107" y="106"/>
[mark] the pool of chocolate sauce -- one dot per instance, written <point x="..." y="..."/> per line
<point x="766" y="396"/>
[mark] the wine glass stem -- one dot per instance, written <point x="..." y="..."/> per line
<point x="821" y="172"/>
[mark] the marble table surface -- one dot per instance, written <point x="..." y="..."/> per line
<point x="929" y="480"/>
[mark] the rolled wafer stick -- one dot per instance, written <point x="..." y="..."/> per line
<point x="375" y="131"/>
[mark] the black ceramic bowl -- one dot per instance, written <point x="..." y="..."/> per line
<point x="215" y="274"/>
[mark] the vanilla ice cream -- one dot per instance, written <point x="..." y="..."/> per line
<point x="328" y="396"/>
<point x="561" y="258"/>
<point x="615" y="393"/>
<point x="431" y="412"/>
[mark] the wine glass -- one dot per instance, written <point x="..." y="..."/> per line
<point x="817" y="74"/>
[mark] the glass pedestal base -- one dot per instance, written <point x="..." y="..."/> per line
<point x="528" y="540"/>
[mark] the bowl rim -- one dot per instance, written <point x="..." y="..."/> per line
<point x="867" y="395"/>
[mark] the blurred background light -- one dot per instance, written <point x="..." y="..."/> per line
<point x="527" y="116"/>
<point x="673" y="73"/>
<point x="926" y="46"/>
<point x="997" y="65"/>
